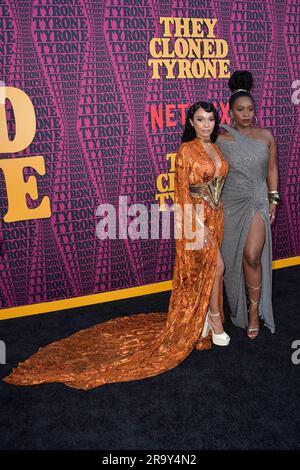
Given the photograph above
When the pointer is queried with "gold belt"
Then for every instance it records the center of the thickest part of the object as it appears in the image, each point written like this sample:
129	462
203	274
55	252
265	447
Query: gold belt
210	191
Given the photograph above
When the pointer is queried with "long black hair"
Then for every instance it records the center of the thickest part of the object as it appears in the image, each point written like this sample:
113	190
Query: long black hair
240	80
189	131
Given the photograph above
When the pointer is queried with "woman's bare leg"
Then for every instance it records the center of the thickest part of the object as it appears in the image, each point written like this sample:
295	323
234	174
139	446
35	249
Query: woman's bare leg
252	269
216	322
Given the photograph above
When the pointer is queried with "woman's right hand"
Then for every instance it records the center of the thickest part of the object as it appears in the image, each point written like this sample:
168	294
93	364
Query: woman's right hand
207	236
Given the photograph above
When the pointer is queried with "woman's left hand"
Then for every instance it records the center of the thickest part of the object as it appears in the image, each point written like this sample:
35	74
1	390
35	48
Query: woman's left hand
272	212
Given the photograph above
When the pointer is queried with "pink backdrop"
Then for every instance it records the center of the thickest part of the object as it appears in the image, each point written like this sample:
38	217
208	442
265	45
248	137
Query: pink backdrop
84	66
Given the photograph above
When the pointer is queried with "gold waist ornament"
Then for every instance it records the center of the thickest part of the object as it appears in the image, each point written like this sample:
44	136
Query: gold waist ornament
210	191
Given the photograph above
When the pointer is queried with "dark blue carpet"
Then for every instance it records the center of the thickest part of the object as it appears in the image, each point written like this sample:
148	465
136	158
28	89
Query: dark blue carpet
245	396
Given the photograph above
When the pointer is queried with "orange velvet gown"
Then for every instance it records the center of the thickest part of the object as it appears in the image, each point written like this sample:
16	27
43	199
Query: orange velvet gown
143	345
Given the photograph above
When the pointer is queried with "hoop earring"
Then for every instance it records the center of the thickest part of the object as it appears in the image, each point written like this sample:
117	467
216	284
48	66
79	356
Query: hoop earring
255	122
232	122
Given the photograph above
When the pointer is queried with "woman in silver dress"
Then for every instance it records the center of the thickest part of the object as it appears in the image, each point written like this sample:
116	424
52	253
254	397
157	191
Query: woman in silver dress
250	199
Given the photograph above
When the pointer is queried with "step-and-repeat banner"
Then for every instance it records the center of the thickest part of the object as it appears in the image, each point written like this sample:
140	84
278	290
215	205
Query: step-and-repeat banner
93	99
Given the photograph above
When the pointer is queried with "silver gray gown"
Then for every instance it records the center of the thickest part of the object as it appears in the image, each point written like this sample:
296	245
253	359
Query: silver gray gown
245	192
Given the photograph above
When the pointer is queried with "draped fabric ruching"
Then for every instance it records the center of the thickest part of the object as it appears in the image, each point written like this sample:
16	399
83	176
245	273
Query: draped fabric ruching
137	346
245	193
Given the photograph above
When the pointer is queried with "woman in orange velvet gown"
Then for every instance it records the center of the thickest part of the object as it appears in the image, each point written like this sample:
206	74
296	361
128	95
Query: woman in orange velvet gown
138	346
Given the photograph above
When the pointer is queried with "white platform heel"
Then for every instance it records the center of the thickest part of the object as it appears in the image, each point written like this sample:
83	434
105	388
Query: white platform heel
221	339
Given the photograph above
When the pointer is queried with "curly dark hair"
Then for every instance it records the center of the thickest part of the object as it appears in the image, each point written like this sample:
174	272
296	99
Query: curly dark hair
240	79
189	131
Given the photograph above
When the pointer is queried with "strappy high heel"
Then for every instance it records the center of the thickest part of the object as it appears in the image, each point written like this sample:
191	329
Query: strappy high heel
252	332
220	339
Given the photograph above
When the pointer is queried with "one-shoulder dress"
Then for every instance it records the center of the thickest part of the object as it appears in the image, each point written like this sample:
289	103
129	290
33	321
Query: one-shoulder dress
245	192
